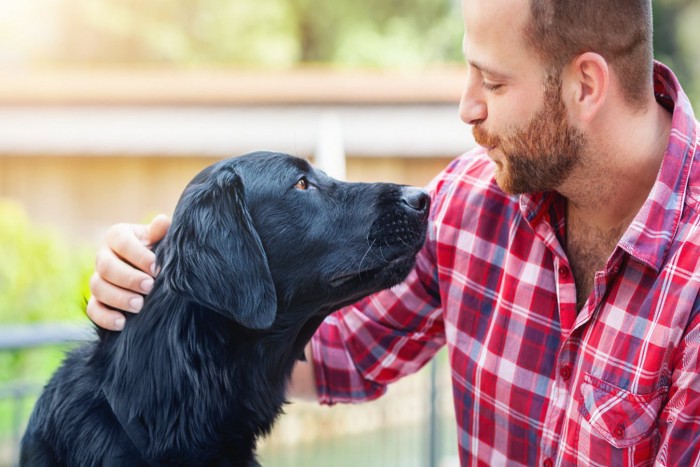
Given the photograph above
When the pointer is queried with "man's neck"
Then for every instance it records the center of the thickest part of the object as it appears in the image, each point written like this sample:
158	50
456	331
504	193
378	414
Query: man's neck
617	172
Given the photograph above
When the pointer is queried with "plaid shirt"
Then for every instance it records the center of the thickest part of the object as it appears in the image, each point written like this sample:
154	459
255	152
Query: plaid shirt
535	382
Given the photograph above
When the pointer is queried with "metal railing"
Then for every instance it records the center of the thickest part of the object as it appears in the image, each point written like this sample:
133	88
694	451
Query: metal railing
17	338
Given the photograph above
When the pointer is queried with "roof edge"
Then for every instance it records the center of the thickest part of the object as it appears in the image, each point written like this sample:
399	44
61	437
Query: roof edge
230	87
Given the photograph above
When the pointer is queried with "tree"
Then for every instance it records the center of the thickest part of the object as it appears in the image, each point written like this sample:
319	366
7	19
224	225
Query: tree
255	32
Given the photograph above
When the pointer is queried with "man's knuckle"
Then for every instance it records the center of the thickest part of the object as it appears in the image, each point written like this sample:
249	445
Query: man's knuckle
145	259
102	265
117	234
134	283
90	309
103	320
94	282
119	243
113	232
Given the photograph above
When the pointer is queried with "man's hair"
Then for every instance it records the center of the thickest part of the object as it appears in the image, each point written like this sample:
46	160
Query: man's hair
619	30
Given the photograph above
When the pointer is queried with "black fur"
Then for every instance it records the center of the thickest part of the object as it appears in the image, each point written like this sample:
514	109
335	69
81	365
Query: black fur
250	267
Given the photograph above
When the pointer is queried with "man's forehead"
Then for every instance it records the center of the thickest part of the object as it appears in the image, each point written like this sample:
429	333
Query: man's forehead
493	37
480	15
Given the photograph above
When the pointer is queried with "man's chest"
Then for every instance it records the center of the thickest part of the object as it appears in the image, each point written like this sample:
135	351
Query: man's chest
588	250
517	299
511	356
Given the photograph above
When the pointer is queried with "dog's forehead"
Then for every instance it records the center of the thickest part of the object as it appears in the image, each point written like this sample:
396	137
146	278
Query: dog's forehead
269	166
280	162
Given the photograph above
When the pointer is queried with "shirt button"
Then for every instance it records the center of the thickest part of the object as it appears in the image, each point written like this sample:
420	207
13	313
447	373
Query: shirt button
619	431
547	462
563	272
565	372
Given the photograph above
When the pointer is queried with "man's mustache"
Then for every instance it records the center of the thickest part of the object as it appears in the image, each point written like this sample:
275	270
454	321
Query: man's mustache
483	138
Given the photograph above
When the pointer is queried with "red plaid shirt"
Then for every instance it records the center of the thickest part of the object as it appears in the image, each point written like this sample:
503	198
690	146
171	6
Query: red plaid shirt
534	382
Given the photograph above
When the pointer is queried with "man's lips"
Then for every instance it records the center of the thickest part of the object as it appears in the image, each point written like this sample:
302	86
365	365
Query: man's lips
495	155
490	150
487	145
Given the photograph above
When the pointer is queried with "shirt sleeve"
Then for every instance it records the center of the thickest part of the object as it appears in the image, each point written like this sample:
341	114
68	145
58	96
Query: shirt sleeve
360	349
679	423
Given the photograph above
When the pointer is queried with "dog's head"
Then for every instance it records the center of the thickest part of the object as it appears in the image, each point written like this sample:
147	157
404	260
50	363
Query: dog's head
266	232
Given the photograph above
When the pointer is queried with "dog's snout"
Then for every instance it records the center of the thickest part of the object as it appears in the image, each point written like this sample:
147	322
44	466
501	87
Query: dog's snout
415	198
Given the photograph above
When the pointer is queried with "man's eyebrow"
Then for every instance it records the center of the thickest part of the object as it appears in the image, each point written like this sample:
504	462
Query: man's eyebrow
480	66
487	70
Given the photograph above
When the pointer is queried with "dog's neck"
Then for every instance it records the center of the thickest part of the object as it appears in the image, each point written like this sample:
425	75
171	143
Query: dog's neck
187	363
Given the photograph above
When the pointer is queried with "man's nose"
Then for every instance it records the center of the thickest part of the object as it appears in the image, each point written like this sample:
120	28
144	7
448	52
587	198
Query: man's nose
472	107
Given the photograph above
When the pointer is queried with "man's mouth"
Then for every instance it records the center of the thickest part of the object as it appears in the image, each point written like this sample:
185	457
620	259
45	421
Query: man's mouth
492	152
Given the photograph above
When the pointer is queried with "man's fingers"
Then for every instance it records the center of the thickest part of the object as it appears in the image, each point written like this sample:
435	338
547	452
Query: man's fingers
124	267
104	317
111	269
129	242
158	228
113	296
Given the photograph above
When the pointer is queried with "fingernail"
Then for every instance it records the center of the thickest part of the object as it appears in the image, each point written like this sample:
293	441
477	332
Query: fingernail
153	269
136	303
119	323
147	285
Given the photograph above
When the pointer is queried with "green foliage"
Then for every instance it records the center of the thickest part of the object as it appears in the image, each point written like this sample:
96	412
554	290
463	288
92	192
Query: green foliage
42	276
257	32
279	33
677	41
174	31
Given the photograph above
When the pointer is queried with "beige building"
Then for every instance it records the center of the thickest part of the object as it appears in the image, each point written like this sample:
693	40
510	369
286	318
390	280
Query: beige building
82	150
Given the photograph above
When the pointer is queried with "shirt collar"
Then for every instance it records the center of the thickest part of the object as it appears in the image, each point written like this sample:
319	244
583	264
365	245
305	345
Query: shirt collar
654	227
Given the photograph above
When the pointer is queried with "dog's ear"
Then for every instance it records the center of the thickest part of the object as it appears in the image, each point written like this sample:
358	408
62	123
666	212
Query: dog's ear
214	255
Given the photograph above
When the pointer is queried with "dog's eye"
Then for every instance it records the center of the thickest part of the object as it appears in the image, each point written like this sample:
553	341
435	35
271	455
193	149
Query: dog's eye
302	184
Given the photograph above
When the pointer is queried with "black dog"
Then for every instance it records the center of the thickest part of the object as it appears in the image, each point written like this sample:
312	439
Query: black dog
261	249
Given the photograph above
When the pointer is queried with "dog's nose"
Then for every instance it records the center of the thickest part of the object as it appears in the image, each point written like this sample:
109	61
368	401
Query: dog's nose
415	198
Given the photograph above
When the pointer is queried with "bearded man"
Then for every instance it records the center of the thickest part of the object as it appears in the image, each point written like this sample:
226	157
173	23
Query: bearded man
562	262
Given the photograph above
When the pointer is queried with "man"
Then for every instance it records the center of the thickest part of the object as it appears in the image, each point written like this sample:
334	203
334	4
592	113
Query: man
561	266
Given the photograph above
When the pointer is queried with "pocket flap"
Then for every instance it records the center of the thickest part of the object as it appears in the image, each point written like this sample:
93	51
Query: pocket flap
620	417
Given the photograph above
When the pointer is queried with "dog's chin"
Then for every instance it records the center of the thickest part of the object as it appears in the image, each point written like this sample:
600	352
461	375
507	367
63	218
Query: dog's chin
375	278
349	288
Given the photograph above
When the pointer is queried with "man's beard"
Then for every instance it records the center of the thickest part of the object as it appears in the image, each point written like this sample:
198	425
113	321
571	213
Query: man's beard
541	155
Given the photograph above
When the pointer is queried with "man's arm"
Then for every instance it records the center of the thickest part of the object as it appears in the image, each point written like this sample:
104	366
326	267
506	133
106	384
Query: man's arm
302	384
361	349
680	419
124	271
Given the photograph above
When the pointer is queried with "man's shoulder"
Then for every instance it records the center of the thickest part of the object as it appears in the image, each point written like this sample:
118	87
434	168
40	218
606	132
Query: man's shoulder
693	187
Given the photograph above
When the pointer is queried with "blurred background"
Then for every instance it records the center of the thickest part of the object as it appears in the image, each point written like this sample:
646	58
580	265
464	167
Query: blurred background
109	107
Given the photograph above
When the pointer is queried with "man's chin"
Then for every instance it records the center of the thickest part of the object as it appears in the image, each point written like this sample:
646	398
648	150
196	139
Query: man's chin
503	180
506	187
507	183
490	151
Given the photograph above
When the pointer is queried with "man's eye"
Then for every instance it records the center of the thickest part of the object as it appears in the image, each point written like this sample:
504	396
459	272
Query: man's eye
302	184
490	86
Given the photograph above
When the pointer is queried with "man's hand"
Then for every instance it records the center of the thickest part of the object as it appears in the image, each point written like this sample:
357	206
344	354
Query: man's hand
124	271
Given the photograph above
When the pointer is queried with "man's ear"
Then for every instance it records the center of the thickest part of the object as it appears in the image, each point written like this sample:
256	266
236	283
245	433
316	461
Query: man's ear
586	82
214	255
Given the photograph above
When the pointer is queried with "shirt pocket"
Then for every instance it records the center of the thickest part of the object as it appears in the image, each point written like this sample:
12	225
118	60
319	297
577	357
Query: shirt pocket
620	417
